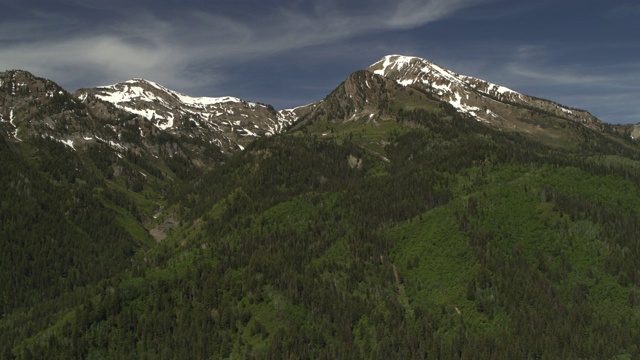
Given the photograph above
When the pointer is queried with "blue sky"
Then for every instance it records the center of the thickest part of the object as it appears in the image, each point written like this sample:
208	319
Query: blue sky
580	53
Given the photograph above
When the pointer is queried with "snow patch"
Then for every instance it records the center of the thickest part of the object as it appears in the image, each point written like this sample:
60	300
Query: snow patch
69	143
463	108
113	144
491	113
444	87
394	62
249	133
499	89
168	125
444	73
11	118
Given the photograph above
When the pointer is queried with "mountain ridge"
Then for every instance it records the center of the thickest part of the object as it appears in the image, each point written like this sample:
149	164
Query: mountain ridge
227	121
231	122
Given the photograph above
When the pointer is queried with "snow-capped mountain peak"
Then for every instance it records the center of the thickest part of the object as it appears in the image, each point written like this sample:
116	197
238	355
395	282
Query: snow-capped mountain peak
394	65
136	87
227	121
158	103
483	100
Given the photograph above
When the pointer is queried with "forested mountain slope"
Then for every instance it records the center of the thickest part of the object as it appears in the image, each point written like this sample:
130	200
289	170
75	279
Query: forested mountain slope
384	224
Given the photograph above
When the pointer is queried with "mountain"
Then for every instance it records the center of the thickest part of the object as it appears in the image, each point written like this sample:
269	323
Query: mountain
411	82
386	221
228	122
480	99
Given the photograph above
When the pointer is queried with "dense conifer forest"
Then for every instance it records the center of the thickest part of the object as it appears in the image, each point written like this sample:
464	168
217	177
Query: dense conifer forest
424	235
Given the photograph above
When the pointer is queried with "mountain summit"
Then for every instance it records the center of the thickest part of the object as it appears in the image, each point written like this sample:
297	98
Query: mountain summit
227	121
484	101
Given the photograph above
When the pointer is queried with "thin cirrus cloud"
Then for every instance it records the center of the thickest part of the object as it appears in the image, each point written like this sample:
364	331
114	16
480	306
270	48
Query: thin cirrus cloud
177	50
562	72
624	10
609	92
535	64
533	75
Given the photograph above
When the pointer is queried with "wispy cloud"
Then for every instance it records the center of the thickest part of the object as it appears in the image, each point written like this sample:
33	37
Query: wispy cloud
610	91
537	65
570	74
558	76
612	107
624	10
169	49
411	13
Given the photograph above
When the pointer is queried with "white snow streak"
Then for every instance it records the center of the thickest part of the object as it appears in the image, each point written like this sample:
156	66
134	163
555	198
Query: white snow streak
11	118
113	144
69	143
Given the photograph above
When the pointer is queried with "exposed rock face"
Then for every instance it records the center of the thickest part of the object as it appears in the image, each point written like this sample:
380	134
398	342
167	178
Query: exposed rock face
32	106
228	122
